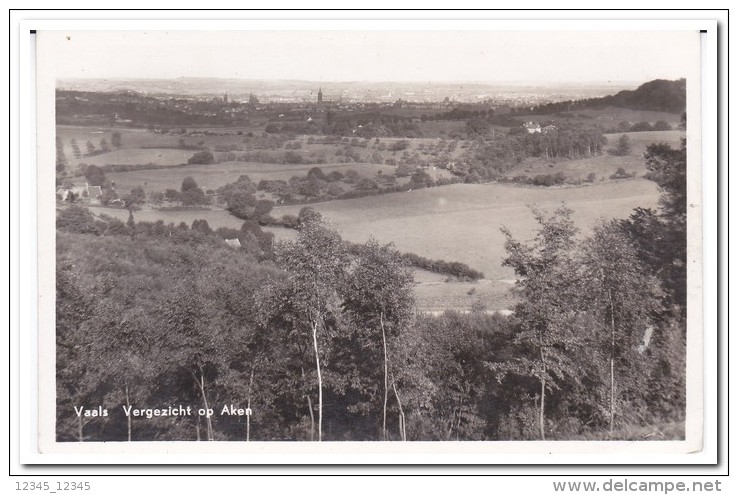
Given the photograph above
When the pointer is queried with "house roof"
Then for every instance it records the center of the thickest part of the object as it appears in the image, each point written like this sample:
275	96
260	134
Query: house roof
233	242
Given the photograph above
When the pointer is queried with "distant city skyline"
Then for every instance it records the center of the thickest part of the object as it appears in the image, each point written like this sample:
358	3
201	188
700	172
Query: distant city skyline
488	57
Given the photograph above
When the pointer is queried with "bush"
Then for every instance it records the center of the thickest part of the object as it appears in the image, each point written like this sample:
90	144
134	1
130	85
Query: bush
549	179
620	173
292	157
399	145
366	184
201	158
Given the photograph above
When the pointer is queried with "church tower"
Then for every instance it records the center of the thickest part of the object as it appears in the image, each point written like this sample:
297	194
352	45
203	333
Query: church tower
320	95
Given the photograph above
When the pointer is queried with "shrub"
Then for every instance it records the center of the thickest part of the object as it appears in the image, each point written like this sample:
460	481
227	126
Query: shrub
399	145
204	157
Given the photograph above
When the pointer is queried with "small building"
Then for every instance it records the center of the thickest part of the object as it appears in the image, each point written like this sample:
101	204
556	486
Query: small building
532	127
234	243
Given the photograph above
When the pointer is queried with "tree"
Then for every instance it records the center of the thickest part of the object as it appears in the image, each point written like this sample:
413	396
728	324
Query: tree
61	159
668	168
316	264
317	173
308	215
191	194
661	237
623	298
95	176
138	195
204	157
420	178
242	204
107	196
292	157
545	314
622	148
75	149
116	139
366	184
379	296
104	145
90	148
171	195
201	226
477	127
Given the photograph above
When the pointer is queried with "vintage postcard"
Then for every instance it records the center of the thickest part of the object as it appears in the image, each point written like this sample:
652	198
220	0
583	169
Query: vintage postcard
370	241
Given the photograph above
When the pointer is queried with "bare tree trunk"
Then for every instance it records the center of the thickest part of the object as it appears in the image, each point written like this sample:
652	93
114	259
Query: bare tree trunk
612	363
386	387
543	400
248	406
80	436
209	422
197	427
320	382
451	424
402	413
128	403
542	419
310	408
458	423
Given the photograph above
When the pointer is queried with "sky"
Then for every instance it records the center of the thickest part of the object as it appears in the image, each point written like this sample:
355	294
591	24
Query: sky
535	57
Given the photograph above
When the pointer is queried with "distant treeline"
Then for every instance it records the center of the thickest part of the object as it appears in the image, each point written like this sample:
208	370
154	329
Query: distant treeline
74	106
658	95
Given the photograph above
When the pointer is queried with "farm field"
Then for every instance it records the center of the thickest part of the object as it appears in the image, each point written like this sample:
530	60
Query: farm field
462	221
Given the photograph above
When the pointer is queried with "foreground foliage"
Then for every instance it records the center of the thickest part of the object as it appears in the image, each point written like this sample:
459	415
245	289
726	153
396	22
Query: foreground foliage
320	340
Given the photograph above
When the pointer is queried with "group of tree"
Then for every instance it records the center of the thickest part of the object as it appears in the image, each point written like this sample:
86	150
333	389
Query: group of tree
491	158
240	199
601	326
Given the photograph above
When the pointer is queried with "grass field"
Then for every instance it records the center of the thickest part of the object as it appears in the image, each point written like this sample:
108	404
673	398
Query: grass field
604	165
139	156
462	222
215	218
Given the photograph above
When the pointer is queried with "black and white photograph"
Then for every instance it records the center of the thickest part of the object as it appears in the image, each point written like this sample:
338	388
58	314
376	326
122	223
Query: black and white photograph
485	238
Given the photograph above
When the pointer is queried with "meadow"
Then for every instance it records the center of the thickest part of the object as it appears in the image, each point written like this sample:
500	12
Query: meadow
462	221
603	166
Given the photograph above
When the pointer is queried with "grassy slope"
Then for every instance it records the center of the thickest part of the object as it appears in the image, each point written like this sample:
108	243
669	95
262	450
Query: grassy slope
462	222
